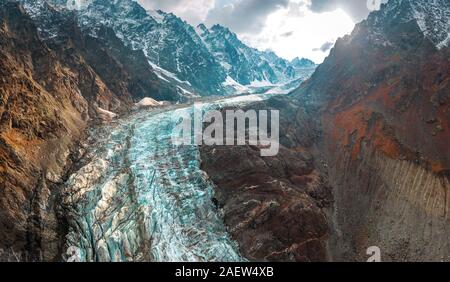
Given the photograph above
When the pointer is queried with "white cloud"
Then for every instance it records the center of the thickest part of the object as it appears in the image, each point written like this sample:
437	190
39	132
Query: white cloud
308	32
244	15
357	9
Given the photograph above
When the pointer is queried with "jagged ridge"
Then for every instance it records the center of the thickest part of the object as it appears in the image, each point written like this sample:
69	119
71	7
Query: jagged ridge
204	61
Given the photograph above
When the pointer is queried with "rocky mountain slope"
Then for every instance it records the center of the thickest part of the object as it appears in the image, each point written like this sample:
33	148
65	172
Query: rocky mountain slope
379	107
53	85
384	94
166	40
246	65
143	79
276	208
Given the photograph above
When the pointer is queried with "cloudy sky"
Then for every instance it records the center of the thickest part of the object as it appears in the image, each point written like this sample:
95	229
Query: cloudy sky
291	28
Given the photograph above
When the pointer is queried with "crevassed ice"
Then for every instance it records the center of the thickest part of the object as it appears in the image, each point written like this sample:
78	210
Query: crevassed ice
140	198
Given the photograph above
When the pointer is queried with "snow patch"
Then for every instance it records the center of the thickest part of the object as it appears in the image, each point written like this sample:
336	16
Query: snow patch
433	19
261	83
444	43
156	15
105	114
239	100
167	73
186	93
230	82
148	103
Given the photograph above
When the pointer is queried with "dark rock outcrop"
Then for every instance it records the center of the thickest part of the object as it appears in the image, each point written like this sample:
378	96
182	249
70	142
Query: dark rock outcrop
275	207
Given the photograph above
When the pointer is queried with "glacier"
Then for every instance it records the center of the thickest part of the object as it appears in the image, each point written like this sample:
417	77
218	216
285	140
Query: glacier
138	197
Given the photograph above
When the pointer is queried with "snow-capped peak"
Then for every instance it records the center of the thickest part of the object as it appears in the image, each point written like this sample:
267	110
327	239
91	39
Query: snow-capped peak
201	29
431	16
303	62
200	56
157	15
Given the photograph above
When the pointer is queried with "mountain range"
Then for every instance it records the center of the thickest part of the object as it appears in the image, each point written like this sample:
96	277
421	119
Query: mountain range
202	61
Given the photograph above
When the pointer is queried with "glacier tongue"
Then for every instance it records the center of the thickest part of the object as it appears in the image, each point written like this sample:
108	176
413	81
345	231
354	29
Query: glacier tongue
138	197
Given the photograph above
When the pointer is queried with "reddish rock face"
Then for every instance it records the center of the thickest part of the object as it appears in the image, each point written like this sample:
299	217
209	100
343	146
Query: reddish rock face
40	115
383	96
394	95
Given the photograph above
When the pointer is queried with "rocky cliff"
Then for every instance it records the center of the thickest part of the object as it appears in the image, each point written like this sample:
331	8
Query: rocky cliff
384	95
52	87
379	106
276	208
